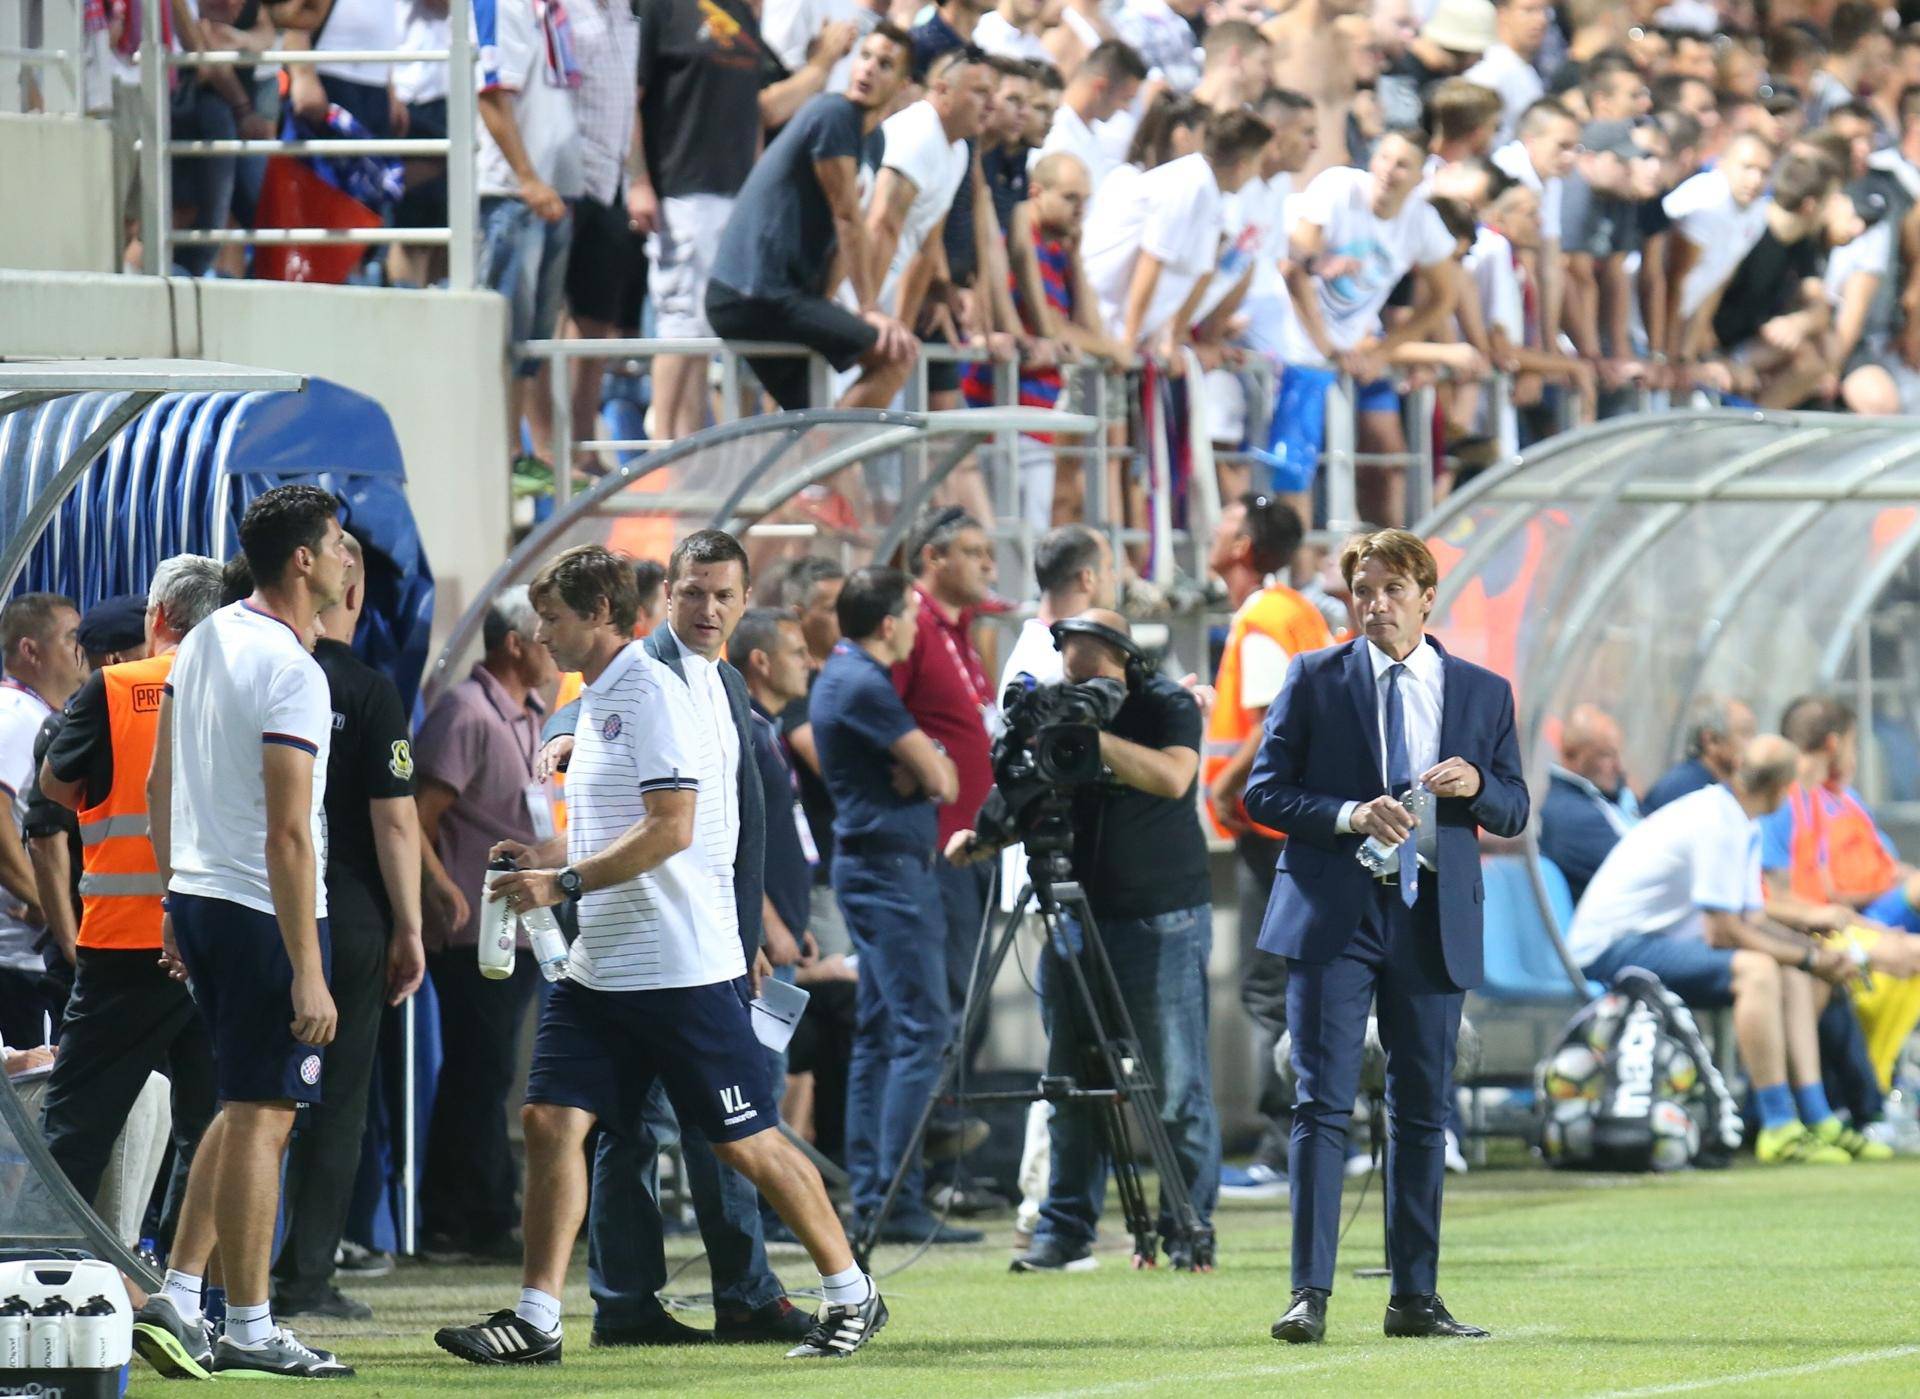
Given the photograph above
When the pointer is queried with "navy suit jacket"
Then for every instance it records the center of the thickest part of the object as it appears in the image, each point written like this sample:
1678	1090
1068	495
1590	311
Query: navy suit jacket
749	861
1322	749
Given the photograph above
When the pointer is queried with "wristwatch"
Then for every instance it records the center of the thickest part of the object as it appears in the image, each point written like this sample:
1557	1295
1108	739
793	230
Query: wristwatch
570	882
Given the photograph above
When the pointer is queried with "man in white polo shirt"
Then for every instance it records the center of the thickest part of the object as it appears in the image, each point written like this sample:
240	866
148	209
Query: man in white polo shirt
1681	897
656	988
234	800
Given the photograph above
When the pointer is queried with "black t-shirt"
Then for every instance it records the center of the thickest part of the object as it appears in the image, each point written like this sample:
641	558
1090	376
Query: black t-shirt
815	799
702	65
48	818
371	758
1135	854
1765	284
779	239
1006	170
82	749
963	254
789	874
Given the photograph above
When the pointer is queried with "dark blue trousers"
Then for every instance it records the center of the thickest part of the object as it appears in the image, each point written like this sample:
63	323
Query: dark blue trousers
1394	960
626	1245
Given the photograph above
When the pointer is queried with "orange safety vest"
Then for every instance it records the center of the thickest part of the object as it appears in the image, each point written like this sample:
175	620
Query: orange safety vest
120	885
1295	625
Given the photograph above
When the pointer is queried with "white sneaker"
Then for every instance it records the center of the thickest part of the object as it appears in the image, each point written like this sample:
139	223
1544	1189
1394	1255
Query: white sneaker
1456	1163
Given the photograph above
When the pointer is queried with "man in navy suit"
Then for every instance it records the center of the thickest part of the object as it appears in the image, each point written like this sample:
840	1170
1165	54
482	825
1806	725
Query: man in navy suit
1353	728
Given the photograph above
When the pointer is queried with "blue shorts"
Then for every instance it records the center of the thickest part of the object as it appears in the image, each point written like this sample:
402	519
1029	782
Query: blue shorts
1893	909
1700	975
1297	435
242	982
602	1051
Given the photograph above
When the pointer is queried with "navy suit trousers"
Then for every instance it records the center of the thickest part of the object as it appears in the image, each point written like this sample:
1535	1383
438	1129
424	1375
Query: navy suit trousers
1396	959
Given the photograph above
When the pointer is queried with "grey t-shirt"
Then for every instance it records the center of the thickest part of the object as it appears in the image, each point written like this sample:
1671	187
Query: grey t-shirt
1599	225
779	240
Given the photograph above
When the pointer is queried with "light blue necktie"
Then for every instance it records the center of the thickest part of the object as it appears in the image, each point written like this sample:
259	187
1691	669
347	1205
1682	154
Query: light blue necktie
1400	780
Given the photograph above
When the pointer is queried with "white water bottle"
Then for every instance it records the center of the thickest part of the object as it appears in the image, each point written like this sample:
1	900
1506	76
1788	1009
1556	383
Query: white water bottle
495	945
90	1336
15	1321
47	1338
549	943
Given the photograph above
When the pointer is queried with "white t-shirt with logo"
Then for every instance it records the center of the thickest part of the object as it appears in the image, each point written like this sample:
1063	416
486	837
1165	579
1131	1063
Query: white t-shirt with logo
1699	853
1173	212
1376	254
1722	233
637	733
22	712
918	148
241	680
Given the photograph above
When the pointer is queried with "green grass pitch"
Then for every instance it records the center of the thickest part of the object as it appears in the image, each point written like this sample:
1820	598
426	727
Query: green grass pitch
1755	1281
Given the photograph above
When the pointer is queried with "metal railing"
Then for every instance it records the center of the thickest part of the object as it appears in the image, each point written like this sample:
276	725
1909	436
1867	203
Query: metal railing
158	149
54	70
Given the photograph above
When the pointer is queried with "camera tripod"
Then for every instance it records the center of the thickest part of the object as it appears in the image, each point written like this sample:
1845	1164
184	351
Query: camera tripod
1112	1073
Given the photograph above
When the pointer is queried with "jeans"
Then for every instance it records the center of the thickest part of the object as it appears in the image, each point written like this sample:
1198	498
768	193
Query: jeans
626	1247
524	258
1160	964
904	1018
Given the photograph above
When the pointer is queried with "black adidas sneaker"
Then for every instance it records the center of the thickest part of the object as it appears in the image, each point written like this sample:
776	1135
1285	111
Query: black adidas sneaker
504	1338
839	1331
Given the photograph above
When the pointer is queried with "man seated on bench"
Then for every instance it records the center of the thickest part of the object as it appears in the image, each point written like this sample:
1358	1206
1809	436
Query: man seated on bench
1680	896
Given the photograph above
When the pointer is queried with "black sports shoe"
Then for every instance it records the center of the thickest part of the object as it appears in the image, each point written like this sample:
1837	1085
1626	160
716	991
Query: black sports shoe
1054	1256
839	1331
504	1338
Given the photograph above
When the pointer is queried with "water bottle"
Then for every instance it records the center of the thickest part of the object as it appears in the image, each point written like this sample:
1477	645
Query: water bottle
549	943
13	1333
47	1337
496	926
90	1336
1376	856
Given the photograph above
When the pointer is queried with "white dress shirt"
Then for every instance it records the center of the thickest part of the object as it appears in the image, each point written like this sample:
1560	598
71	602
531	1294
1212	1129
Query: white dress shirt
1422	690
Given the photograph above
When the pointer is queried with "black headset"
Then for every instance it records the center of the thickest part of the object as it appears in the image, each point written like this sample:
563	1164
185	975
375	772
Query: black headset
1138	666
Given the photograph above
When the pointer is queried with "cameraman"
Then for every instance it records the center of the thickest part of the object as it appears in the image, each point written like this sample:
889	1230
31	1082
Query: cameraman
1139	854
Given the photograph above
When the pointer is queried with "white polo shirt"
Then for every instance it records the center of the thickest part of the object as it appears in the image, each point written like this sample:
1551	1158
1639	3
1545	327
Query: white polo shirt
241	680
1699	853
22	712
638	732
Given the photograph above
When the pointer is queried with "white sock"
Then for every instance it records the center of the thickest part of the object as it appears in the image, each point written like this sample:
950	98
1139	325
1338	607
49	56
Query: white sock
542	1309
848	1289
184	1289
249	1326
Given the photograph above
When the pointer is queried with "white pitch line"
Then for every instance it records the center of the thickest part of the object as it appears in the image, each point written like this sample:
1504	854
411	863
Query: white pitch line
1782	1372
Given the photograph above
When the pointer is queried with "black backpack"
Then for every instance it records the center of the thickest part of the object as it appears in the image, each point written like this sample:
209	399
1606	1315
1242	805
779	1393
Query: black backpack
1633	1087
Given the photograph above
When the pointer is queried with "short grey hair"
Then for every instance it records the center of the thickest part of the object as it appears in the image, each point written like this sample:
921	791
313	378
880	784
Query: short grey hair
185	591
512	611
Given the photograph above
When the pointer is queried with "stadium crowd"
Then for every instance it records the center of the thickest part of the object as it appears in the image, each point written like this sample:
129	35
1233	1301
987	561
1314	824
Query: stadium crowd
1600	200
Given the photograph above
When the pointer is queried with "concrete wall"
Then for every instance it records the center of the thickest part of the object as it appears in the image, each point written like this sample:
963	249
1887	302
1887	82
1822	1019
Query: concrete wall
434	360
56	184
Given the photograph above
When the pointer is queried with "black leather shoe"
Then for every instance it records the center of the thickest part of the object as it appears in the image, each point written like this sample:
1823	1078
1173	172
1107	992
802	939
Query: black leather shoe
1424	1314
1305	1321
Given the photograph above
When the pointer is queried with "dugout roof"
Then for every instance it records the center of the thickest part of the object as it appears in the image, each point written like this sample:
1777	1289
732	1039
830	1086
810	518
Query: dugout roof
1648	562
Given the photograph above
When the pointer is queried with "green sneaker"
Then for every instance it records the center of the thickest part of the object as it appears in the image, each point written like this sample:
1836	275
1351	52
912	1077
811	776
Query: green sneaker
1792	1144
1833	1132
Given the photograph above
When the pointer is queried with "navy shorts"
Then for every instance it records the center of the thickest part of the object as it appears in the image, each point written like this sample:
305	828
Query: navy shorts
241	980
602	1051
1700	975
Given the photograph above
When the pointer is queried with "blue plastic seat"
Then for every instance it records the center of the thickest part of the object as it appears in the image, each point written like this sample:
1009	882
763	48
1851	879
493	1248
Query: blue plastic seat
1521	963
